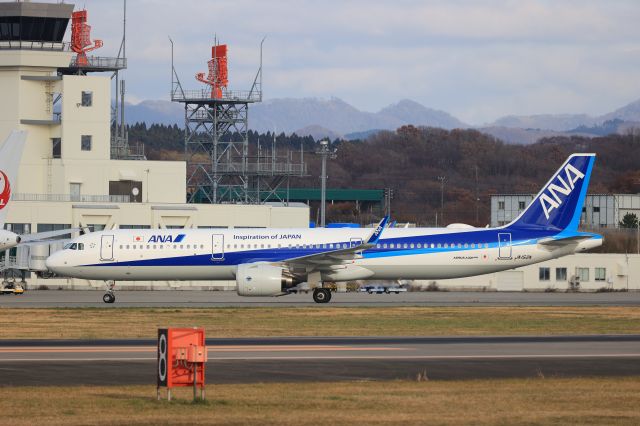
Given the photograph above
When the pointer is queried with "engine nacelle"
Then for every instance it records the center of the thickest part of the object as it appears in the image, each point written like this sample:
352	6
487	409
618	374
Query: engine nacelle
261	279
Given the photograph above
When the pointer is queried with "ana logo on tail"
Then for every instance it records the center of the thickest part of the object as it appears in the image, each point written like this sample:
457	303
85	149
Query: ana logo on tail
6	191
550	199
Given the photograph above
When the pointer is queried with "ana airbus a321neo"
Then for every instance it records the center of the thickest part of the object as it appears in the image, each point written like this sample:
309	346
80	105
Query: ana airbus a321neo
266	262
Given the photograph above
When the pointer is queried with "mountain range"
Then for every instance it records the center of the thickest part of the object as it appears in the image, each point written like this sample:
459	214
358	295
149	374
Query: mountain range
336	118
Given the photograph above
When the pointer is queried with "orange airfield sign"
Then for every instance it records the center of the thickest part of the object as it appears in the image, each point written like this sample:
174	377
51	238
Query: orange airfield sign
182	356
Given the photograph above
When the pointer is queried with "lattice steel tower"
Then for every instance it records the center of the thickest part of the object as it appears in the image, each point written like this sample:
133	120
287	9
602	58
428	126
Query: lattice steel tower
220	168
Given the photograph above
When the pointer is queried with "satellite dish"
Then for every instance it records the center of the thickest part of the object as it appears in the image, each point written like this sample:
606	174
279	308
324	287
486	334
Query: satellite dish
135	192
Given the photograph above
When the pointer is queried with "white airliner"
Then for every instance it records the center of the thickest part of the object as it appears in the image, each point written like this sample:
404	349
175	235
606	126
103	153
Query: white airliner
10	155
266	262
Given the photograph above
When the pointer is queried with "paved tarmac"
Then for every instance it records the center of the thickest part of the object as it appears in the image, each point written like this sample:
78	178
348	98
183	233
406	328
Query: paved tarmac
201	299
111	362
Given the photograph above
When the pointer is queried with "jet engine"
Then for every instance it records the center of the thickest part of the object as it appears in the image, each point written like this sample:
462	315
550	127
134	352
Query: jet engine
262	279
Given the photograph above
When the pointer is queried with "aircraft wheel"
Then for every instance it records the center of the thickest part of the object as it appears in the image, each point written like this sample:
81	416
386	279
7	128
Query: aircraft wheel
321	295
108	298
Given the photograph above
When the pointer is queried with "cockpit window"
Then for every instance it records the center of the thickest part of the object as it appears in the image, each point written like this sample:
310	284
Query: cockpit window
66	246
72	246
80	246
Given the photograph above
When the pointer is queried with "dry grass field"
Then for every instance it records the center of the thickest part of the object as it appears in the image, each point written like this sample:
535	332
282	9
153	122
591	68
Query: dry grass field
90	323
515	402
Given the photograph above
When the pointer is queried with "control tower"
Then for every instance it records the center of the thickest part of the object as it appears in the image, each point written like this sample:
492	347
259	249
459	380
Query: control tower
61	95
220	165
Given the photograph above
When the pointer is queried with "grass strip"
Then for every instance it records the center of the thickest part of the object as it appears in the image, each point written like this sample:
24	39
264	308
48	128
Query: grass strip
550	401
94	323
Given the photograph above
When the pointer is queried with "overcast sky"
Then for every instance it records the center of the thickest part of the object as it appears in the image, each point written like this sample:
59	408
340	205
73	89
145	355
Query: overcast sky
477	60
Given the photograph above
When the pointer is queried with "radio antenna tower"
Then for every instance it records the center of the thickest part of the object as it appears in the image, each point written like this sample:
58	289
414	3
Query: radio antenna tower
220	168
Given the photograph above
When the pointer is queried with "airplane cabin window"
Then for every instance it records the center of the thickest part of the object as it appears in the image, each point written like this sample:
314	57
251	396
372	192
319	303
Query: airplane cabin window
154	246
127	247
412	245
432	245
445	245
486	245
120	246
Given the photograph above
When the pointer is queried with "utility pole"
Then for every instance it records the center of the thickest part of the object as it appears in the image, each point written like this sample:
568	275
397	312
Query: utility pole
388	195
325	152
477	196
442	179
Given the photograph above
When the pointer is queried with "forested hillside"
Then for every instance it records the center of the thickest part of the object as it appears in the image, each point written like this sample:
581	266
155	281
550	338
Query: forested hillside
410	160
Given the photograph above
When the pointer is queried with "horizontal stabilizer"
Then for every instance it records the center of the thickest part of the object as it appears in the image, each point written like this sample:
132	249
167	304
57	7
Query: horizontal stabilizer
565	241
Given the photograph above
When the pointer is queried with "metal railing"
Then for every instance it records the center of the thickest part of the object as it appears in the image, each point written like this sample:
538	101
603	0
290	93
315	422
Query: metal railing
99	62
127	152
239	168
72	198
34	45
227	95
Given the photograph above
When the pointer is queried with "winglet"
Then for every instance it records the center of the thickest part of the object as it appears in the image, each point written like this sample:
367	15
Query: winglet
375	235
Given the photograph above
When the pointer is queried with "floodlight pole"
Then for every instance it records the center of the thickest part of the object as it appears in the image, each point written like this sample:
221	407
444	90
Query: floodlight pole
325	152
442	179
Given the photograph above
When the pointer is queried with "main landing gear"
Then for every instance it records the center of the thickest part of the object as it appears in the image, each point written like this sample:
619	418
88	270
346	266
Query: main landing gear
109	296
321	295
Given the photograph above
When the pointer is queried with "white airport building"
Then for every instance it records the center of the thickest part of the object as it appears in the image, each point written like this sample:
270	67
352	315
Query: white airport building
586	271
70	176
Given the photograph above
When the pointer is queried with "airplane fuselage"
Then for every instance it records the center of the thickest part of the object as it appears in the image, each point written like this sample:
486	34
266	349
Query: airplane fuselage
214	254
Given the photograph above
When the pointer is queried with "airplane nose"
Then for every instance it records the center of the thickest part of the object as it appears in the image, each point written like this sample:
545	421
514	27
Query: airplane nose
54	262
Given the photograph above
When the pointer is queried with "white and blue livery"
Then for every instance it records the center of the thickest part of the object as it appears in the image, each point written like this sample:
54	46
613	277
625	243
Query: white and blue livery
266	262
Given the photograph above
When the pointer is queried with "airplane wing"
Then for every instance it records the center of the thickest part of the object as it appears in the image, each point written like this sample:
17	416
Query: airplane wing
553	243
41	236
334	257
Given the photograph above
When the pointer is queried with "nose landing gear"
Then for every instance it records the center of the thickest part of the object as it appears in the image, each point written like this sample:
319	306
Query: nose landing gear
109	296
